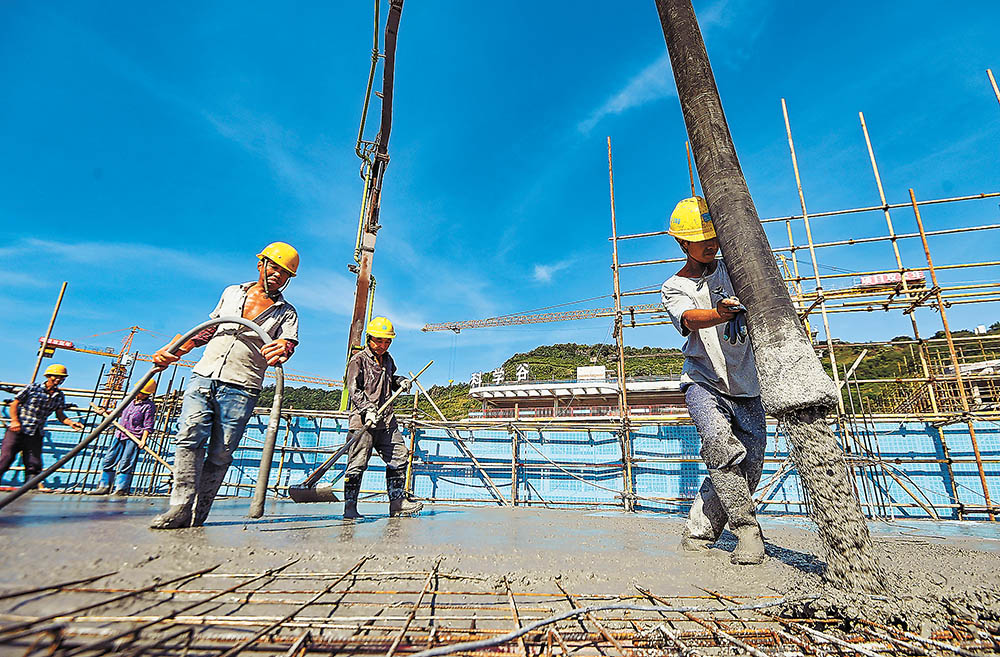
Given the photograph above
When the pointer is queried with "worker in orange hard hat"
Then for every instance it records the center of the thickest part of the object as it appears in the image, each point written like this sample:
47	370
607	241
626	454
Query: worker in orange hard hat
136	423
721	391
28	413
371	380
225	383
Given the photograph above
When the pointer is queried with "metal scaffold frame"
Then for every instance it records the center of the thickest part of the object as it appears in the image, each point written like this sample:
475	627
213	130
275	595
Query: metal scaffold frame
944	386
936	386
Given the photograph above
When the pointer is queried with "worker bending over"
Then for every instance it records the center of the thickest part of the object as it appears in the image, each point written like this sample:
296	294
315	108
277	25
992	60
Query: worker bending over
28	412
121	456
719	382
371	380
226	382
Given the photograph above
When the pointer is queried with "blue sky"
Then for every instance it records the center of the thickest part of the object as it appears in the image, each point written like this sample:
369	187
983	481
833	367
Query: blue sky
150	150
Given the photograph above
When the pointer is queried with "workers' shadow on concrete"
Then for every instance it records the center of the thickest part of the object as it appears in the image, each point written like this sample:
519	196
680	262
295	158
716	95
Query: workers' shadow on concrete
336	521
804	561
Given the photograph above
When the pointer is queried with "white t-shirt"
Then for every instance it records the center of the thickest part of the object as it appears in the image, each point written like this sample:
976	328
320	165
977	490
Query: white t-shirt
708	359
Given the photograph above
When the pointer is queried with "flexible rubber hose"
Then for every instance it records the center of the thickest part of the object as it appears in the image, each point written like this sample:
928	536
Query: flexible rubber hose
269	439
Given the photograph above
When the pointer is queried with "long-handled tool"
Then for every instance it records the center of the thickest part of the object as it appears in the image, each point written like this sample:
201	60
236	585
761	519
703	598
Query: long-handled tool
308	491
269	437
97	409
465	448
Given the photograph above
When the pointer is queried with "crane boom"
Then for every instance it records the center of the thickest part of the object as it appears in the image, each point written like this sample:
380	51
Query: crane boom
540	318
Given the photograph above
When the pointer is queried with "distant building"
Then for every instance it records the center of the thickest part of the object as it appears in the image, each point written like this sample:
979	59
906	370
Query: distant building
592	393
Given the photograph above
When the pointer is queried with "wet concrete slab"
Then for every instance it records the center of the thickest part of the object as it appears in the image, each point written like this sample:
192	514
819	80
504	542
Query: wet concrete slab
53	537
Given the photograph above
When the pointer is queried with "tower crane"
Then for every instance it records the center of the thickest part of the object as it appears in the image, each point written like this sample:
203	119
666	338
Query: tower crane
542	318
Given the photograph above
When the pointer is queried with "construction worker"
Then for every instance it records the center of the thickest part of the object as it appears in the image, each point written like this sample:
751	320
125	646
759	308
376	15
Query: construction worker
371	380
226	382
28	412
123	453
719	382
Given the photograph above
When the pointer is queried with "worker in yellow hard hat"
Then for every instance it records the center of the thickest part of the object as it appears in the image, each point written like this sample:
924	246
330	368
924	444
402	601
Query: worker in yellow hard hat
225	383
371	379
29	411
135	424
719	382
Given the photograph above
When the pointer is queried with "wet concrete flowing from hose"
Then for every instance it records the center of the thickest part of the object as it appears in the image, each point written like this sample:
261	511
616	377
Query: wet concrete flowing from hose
851	561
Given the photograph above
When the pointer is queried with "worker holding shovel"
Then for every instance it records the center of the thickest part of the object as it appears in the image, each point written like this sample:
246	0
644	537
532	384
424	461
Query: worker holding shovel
371	379
123	453
226	382
719	382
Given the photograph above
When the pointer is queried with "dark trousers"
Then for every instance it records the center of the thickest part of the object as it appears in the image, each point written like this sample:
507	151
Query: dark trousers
30	447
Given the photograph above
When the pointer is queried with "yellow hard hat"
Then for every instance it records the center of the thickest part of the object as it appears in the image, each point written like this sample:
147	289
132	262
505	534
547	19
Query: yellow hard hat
690	220
380	327
281	254
149	388
55	369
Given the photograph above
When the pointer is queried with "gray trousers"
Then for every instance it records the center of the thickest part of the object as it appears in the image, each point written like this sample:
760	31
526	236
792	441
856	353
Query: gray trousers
387	441
733	435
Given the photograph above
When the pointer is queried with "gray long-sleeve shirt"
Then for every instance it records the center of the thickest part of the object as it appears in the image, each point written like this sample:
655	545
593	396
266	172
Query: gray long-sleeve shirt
370	383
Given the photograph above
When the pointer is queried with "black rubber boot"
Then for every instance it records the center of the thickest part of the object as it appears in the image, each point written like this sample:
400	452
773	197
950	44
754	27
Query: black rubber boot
395	486
352	488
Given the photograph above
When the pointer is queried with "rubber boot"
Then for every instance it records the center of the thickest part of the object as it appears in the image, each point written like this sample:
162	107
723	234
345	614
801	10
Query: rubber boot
105	486
692	544
352	488
212	476
188	464
734	493
399	505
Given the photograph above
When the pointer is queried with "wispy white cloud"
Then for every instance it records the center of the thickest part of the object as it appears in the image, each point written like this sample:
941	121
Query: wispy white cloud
655	82
305	172
544	273
324	291
19	279
121	255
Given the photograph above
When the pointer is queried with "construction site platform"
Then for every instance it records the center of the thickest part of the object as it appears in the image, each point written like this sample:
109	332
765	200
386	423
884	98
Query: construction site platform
448	575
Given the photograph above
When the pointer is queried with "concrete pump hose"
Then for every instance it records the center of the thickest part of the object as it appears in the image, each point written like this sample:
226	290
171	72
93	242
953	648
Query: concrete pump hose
269	439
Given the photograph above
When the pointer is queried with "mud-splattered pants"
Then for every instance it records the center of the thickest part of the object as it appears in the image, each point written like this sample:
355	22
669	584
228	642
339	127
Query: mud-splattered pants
733	435
214	415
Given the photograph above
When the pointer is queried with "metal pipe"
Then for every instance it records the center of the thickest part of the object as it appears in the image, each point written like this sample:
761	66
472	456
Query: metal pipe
113	415
627	501
834	213
48	334
954	356
812	256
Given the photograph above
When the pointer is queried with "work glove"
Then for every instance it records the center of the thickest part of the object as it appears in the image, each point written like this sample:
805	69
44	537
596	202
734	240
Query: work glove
736	328
404	383
370	417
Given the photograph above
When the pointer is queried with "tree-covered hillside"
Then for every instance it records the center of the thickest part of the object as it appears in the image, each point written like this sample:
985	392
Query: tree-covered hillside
559	362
